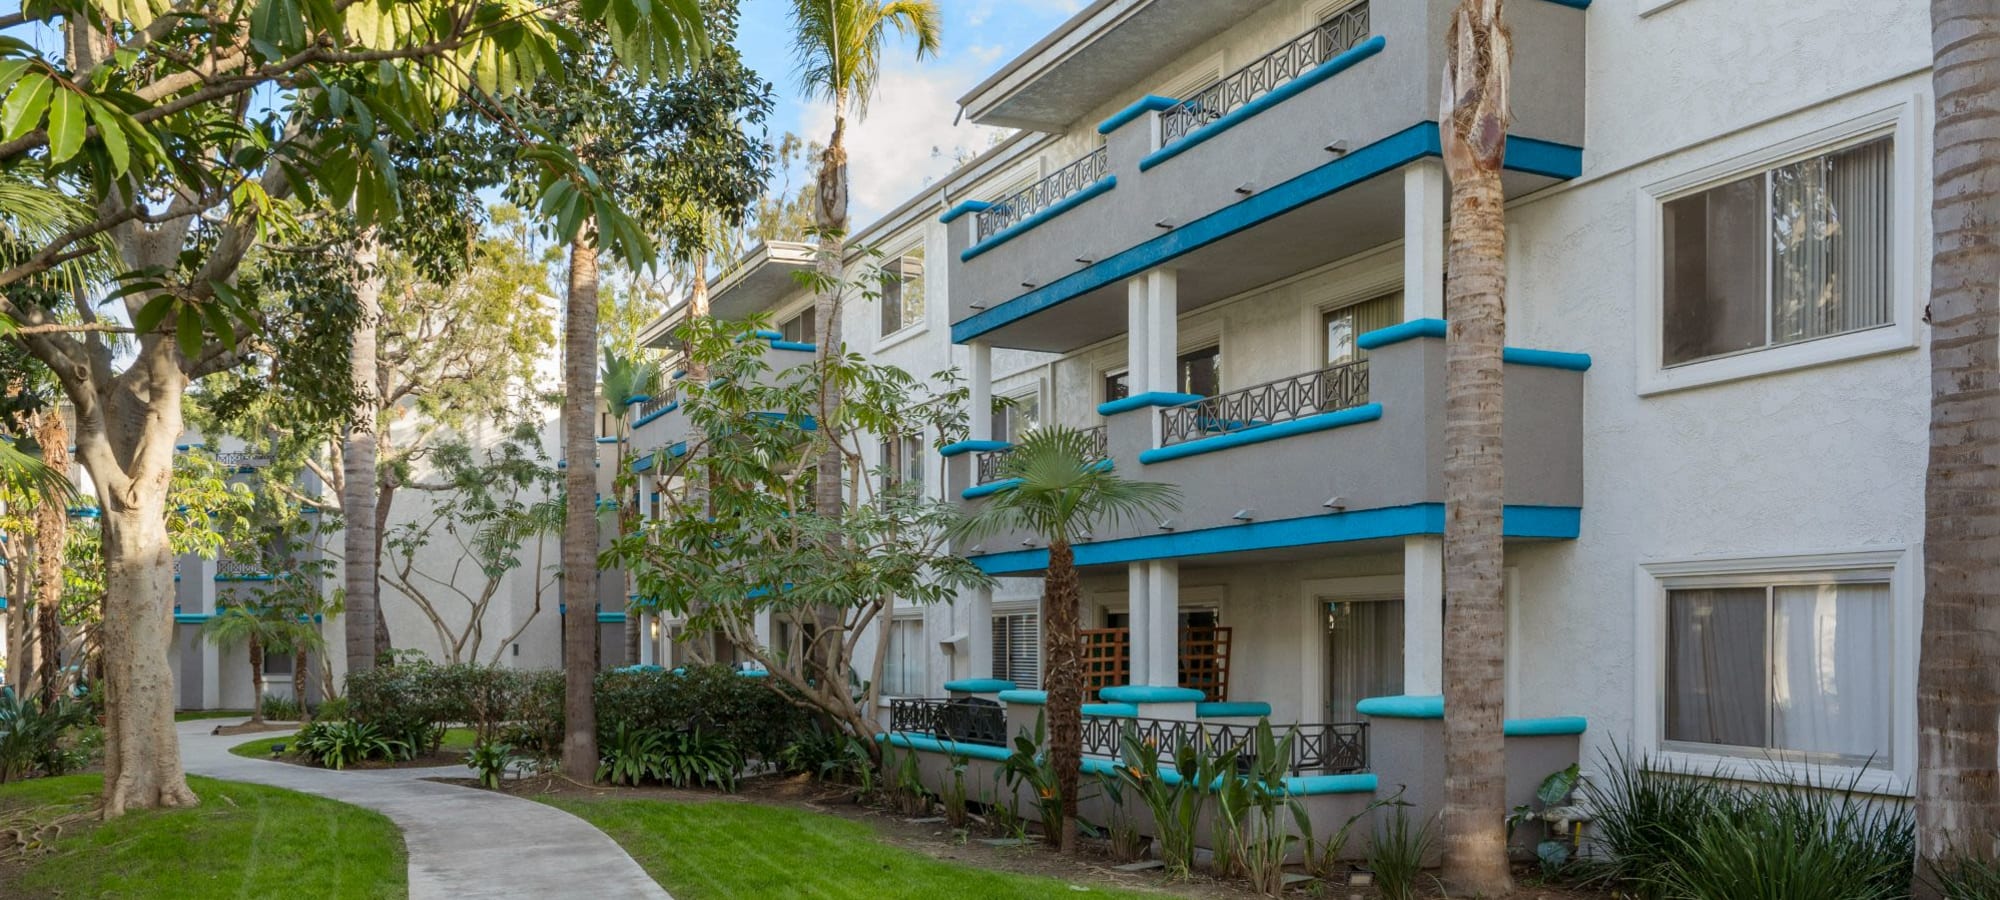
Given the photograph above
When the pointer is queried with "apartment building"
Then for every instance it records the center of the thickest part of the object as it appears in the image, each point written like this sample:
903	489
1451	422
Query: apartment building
1218	242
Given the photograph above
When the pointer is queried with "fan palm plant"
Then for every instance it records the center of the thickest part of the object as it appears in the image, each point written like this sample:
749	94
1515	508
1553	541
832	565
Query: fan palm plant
1058	488
261	631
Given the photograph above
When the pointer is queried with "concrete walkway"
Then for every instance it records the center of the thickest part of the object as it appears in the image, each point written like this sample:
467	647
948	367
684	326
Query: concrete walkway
464	842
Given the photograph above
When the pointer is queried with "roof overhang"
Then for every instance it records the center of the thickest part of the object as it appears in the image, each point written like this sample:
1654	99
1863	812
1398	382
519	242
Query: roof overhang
1095	57
760	280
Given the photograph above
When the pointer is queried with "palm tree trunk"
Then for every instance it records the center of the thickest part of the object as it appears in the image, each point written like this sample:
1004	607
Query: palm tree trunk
51	539
1475	117
1958	678
358	464
579	546
256	681
299	684
1060	641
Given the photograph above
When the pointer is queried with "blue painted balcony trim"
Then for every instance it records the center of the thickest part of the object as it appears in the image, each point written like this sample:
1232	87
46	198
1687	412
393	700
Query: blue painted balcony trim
1048	212
1277	95
795	345
611	439
1149	693
1386	155
1148	399
1298	786
760	334
637	398
1573	4
244	578
990	488
610	618
1111	710
979	685
1436	328
1025	697
655	414
964	206
950	450
191	618
1431	706
1139	107
1367	412
1237	710
3	601
950	748
643	463
1526	522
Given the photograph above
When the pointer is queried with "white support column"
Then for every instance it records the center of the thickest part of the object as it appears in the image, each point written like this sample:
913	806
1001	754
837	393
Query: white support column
1138	617
1138	325
1162	329
1163	589
980	372
649	643
1423	615
1424	201
976	606
204	571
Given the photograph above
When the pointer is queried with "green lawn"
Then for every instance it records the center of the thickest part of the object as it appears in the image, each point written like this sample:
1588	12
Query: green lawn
454	739
192	715
243	841
723	850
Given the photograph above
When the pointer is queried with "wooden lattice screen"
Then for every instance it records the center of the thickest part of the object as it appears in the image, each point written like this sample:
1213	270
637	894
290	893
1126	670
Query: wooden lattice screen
1107	658
1205	661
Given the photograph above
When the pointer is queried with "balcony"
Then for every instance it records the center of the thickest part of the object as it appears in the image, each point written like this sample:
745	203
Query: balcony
1350	455
659	423
1286	164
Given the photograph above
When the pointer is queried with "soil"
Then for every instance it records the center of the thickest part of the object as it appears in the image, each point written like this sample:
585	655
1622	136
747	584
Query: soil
247	728
425	761
1093	866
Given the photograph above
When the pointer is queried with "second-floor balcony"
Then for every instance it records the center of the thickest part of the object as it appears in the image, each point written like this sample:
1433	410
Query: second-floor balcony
659	423
1292	160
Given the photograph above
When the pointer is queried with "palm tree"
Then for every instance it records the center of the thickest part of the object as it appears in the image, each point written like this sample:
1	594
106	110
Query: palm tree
1958	677
1473	121
262	631
838	44
1060	489
620	379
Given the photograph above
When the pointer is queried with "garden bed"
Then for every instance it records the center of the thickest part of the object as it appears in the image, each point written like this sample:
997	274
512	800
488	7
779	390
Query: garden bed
457	741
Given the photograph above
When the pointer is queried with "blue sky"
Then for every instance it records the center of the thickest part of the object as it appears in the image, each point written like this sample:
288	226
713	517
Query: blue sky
891	151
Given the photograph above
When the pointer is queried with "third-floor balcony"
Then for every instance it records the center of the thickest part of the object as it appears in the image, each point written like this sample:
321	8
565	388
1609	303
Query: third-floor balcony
1294	158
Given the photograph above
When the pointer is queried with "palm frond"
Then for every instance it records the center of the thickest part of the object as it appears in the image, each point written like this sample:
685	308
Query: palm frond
28	475
1060	489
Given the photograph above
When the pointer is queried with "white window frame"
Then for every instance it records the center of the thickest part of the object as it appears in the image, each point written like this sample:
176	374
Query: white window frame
1902	123
1004	609
906	330
922	650
1032	391
1900	566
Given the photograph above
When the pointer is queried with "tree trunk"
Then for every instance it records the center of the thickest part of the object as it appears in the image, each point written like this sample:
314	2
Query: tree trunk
360	540
299	685
579	548
51	540
256	682
142	756
1474	125
703	645
1958	677
1065	683
831	218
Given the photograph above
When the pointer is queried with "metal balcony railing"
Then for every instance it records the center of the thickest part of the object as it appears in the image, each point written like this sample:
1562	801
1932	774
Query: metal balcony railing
1338	34
988	461
967	721
1328	749
652	406
1070	179
1334	387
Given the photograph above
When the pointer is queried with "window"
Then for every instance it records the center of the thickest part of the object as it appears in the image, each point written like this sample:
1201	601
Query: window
799	329
1789	254
1117	385
1015	417
1798	666
902	462
1017	649
905	672
1341	326
1199	372
903	292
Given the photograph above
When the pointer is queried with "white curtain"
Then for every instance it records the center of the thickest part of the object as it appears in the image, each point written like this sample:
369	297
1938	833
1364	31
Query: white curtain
904	672
1716	674
1364	654
1830	669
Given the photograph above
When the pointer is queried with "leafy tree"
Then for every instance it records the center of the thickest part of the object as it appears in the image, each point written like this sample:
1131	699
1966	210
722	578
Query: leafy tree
1958	676
739	537
626	379
679	150
486	507
1473	120
1061	490
150	100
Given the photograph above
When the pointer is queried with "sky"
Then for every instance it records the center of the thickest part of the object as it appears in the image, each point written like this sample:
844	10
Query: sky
907	139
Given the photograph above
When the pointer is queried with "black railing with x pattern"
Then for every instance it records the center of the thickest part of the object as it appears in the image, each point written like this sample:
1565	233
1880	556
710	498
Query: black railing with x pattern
1337	35
1328	749
1070	179
988	461
1332	388
967	721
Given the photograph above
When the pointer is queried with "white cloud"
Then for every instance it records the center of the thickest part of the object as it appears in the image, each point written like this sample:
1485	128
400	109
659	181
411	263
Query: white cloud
890	152
985	53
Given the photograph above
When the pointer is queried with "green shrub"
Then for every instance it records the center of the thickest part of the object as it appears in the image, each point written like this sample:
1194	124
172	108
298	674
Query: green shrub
489	761
414	701
331	708
1030	766
283	709
745	713
679	758
336	745
45	741
813	750
536	730
1397	856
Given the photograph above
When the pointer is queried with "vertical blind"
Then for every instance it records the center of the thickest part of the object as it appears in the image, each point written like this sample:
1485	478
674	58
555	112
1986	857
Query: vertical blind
1345	324
1830	259
904	670
1017	649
